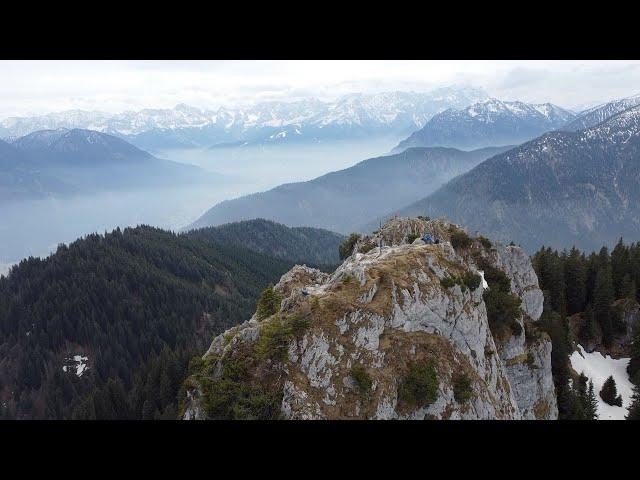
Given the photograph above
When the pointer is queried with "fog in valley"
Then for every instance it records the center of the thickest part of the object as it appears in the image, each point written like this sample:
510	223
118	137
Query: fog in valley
36	227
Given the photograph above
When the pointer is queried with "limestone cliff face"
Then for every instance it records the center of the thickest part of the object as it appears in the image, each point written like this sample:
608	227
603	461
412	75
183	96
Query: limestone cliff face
393	333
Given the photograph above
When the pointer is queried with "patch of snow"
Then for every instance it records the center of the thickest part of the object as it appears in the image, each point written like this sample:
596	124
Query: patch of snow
78	362
598	368
485	285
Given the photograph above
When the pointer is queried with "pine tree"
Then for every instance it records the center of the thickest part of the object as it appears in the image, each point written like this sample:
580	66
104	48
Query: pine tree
269	302
634	408
603	298
590	332
619	267
591	407
609	393
575	275
633	369
628	288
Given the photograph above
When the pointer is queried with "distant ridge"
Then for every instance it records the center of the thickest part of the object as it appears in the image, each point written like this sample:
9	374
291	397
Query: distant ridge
341	201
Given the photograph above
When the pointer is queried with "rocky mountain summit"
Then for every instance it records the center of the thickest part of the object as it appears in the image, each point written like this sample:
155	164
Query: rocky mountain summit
489	123
409	330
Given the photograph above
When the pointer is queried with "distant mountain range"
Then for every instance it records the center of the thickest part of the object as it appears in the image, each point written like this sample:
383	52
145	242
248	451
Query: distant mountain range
341	201
560	189
354	115
62	162
600	113
488	123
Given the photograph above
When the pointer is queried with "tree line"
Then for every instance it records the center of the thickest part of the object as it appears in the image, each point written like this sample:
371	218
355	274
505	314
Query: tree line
139	303
599	289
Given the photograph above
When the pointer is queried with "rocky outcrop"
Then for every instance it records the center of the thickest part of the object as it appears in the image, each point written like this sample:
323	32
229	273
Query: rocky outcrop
398	332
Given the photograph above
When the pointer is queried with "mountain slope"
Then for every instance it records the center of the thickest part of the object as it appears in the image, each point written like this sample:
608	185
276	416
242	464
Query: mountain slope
91	161
391	334
105	327
599	114
312	246
492	122
20	180
560	189
341	201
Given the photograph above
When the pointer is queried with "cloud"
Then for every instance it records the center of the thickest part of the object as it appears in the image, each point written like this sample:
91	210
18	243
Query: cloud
33	87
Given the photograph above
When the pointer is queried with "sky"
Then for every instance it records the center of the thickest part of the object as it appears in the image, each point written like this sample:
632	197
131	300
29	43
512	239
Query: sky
38	87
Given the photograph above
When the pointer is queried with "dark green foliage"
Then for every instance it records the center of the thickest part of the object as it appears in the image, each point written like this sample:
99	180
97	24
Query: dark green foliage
591	331
485	242
550	270
590	285
503	307
366	248
420	387
448	282
361	378
313	246
462	391
234	397
609	393
469	280
591	404
276	335
634	408
557	329
268	303
346	248
412	236
602	301
140	303
576	283
460	239
633	369
584	402
575	277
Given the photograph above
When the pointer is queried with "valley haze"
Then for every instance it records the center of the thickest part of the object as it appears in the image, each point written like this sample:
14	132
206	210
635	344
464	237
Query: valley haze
306	240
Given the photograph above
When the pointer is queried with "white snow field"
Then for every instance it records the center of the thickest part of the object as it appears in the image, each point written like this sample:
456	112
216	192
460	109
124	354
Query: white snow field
598	368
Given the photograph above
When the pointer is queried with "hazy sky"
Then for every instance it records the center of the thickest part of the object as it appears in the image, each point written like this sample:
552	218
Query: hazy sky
34	87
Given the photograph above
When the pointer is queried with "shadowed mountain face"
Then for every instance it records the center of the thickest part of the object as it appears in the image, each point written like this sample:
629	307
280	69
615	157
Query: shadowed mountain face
492	122
59	162
300	244
19	179
342	201
560	189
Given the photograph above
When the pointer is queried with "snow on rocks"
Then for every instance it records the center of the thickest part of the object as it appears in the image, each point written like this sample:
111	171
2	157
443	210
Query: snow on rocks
598	368
77	364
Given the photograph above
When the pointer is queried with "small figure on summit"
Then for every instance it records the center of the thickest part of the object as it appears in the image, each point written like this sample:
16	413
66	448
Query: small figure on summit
427	238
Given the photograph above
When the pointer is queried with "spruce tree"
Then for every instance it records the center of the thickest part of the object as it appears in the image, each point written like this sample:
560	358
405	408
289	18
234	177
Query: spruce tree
609	393
269	302
590	331
619	267
603	298
628	288
591	407
633	369
634	408
575	275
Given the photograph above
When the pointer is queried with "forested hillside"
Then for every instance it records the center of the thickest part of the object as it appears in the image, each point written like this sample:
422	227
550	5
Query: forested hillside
105	327
590	300
298	244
